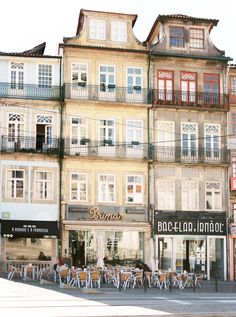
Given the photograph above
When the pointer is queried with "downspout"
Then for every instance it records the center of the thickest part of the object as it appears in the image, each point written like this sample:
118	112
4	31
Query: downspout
61	155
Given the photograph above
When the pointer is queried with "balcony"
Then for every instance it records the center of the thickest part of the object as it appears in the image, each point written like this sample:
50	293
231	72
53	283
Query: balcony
105	149
165	154
110	93
29	145
196	100
29	91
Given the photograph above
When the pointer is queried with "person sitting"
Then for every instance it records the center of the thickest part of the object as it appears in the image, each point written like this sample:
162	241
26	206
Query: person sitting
42	256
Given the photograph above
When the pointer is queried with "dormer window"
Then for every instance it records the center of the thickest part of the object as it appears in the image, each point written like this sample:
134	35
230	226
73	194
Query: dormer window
97	29
196	38
176	36
118	31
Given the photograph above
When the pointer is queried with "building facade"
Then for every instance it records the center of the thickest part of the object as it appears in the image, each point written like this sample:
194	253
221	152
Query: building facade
105	127
191	160
29	145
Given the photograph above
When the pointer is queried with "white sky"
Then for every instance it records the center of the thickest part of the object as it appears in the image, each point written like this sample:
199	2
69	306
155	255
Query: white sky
27	23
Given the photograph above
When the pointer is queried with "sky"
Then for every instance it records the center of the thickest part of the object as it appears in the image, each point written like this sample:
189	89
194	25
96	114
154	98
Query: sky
27	23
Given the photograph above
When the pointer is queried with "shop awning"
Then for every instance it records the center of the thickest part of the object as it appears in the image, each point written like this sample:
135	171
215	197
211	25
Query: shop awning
29	229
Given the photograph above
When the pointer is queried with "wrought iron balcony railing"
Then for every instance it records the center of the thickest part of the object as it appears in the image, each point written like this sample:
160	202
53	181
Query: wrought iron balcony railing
197	100
24	91
86	147
111	93
29	145
188	155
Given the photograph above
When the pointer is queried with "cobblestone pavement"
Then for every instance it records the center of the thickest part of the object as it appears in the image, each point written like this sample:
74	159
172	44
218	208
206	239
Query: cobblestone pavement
30	298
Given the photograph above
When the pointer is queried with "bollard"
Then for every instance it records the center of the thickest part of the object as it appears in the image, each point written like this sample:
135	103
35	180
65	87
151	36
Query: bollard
170	281
145	283
216	282
194	282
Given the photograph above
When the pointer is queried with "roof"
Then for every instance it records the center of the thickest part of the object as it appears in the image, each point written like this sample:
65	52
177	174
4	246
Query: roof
83	12
162	18
37	51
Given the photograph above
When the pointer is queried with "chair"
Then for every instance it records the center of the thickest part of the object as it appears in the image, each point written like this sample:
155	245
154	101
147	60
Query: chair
64	275
74	278
95	279
45	272
125	279
12	270
162	280
83	279
138	279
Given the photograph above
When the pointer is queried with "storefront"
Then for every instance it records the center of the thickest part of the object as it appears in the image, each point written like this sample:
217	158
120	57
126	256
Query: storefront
24	239
191	241
105	238
232	249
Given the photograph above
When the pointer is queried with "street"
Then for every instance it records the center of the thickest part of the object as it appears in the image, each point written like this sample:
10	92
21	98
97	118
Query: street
32	299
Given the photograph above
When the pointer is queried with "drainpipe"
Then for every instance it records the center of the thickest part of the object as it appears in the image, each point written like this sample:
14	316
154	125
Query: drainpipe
61	155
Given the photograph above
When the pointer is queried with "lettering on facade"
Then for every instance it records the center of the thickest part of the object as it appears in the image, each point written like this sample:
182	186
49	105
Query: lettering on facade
135	211
185	225
95	214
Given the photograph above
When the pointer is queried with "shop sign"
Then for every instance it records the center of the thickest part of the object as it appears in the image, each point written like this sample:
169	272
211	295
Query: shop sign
96	214
29	229
174	224
135	211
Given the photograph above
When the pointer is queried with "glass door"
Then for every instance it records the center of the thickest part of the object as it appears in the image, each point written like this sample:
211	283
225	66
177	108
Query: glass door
216	258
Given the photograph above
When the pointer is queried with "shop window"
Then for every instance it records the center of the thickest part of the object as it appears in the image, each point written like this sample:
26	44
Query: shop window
106	188
213	196
79	187
134	189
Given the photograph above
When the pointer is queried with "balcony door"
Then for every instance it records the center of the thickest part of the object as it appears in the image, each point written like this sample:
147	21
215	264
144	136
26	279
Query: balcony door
17	79
43	132
189	143
15	139
211	89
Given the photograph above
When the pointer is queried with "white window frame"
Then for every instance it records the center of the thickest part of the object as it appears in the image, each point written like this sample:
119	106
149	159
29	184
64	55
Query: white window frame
106	182
212	140
17	76
133	182
46	185
109	131
190	195
79	184
166	194
119	31
79	130
137	80
45	78
97	29
15	181
108	84
189	139
213	188
16	122
79	75
134	131
196	38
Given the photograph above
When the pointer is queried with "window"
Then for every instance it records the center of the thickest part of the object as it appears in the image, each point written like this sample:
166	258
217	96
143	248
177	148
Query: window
234	166
213	196
134	189
176	36
97	29
189	195
106	188
166	134
189	135
78	129
233	85
15	126
211	89
212	140
17	76
107	132
166	194
79	187
165	85
196	38
45	76
79	75
233	122
188	86
15	183
119	31
107	78
134	132
43	185
134	80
